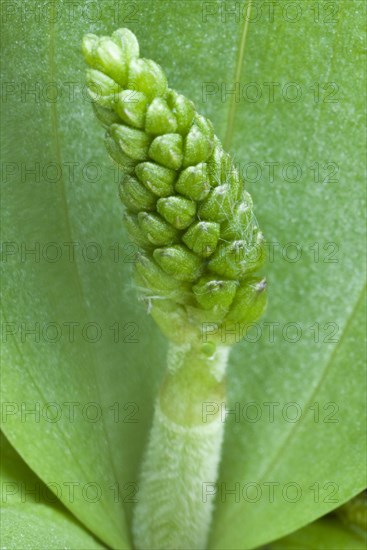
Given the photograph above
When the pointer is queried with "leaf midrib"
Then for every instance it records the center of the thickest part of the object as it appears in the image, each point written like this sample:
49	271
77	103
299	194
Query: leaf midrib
237	74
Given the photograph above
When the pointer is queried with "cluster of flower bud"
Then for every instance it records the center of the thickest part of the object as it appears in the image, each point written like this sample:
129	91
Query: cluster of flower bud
185	204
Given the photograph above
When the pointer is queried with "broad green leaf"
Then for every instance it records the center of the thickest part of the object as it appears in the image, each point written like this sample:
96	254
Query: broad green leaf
320	456
323	534
31	516
74	200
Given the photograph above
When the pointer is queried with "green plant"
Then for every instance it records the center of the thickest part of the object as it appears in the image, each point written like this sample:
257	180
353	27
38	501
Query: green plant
188	211
56	135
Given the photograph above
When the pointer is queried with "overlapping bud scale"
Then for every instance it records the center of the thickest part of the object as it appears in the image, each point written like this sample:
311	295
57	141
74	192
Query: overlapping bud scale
185	203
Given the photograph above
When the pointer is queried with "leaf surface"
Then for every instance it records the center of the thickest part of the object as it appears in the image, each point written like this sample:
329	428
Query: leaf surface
94	345
31	516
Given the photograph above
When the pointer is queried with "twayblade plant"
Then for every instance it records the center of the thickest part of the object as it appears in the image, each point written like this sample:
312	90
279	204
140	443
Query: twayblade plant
283	96
186	207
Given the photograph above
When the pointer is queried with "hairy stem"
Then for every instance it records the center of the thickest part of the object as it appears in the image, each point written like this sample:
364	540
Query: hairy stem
183	452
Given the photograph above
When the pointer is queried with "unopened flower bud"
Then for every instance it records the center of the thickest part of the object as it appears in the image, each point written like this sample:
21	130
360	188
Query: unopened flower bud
148	77
132	142
202	238
238	258
105	115
249	303
117	155
156	178
110	59
183	109
101	88
135	196
157	281
131	107
136	235
197	148
127	42
167	150
206	127
219	164
160	119
89	44
193	182
236	226
212	292
218	204
156	229
178	261
178	211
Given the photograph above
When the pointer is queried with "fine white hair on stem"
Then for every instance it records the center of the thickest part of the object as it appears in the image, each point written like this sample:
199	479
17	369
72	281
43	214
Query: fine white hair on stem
181	457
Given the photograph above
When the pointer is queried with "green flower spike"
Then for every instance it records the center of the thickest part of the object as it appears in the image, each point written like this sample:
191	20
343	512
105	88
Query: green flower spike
187	210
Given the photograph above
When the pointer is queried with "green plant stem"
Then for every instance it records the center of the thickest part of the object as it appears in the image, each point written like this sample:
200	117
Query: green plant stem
183	452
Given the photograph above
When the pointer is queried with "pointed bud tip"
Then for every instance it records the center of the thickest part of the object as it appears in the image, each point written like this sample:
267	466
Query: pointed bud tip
88	44
127	40
261	285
